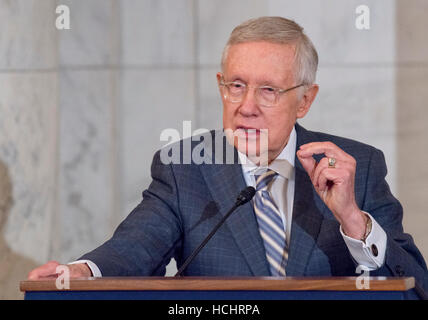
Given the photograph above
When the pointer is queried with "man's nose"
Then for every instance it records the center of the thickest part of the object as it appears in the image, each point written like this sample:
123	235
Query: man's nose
249	105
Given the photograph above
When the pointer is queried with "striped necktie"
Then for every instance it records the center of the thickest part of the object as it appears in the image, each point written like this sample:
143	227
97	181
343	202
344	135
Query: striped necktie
270	225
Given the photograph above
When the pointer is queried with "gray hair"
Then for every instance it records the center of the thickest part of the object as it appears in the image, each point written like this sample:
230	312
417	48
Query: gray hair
283	31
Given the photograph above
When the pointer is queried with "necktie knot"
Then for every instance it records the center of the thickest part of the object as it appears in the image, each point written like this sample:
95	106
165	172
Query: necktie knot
263	180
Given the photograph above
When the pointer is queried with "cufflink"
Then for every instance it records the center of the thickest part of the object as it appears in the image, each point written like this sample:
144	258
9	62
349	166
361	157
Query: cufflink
374	250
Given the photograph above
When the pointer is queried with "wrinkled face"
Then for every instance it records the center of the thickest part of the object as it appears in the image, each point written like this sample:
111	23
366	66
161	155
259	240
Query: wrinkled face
259	64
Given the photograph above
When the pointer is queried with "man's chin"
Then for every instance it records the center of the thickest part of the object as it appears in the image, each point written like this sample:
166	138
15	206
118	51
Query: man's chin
252	143
256	154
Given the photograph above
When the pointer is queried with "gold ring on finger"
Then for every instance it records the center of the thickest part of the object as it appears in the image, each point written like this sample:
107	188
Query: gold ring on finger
331	162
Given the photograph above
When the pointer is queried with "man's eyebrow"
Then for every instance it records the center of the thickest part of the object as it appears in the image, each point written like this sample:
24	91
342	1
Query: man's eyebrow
261	83
268	83
236	78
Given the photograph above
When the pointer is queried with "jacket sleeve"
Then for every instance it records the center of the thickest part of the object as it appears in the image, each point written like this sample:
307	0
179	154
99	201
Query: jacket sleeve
402	257
145	241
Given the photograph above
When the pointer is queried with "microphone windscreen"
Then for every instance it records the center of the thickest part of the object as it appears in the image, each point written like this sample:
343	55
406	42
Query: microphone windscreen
245	195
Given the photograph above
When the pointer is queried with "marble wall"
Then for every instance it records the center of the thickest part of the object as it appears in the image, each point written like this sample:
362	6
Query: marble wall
28	135
88	62
411	96
81	110
356	70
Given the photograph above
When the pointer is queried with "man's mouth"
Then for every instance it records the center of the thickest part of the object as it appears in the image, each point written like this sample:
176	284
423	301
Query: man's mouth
247	132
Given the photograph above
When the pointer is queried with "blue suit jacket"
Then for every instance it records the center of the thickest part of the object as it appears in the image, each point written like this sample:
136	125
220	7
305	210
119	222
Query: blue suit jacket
185	201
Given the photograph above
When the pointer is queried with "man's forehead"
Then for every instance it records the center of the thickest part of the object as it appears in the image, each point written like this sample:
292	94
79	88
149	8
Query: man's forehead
263	61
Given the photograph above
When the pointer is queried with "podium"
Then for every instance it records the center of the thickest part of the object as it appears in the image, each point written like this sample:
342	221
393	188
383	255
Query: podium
213	288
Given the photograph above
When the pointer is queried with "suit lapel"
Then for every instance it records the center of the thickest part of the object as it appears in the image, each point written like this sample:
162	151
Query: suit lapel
307	215
225	181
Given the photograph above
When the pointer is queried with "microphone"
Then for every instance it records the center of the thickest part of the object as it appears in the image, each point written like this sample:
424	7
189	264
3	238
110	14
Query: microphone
244	196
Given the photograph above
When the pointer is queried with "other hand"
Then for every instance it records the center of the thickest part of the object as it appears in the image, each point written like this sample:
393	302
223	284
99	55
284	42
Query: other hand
49	270
335	184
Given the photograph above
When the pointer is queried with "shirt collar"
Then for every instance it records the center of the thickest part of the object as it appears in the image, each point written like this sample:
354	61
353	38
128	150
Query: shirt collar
283	164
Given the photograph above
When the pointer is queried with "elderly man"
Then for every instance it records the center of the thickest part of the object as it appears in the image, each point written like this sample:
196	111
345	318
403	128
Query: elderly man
322	213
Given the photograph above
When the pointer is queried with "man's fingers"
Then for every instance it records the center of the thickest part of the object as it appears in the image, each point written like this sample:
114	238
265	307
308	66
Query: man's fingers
340	168
47	270
323	164
314	169
328	148
50	270
329	176
308	163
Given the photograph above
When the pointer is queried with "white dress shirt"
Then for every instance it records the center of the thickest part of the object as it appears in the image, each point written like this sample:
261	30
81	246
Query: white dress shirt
284	166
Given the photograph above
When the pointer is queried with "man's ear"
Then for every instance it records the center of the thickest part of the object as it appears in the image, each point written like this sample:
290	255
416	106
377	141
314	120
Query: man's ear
219	75
306	101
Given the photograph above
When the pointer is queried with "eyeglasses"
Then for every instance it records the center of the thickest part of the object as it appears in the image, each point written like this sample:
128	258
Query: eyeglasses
266	96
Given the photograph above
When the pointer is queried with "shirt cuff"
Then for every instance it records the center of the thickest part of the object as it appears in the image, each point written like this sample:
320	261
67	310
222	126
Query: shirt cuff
92	266
371	253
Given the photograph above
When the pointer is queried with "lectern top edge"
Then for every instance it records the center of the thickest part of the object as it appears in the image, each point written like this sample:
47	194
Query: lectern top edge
225	283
